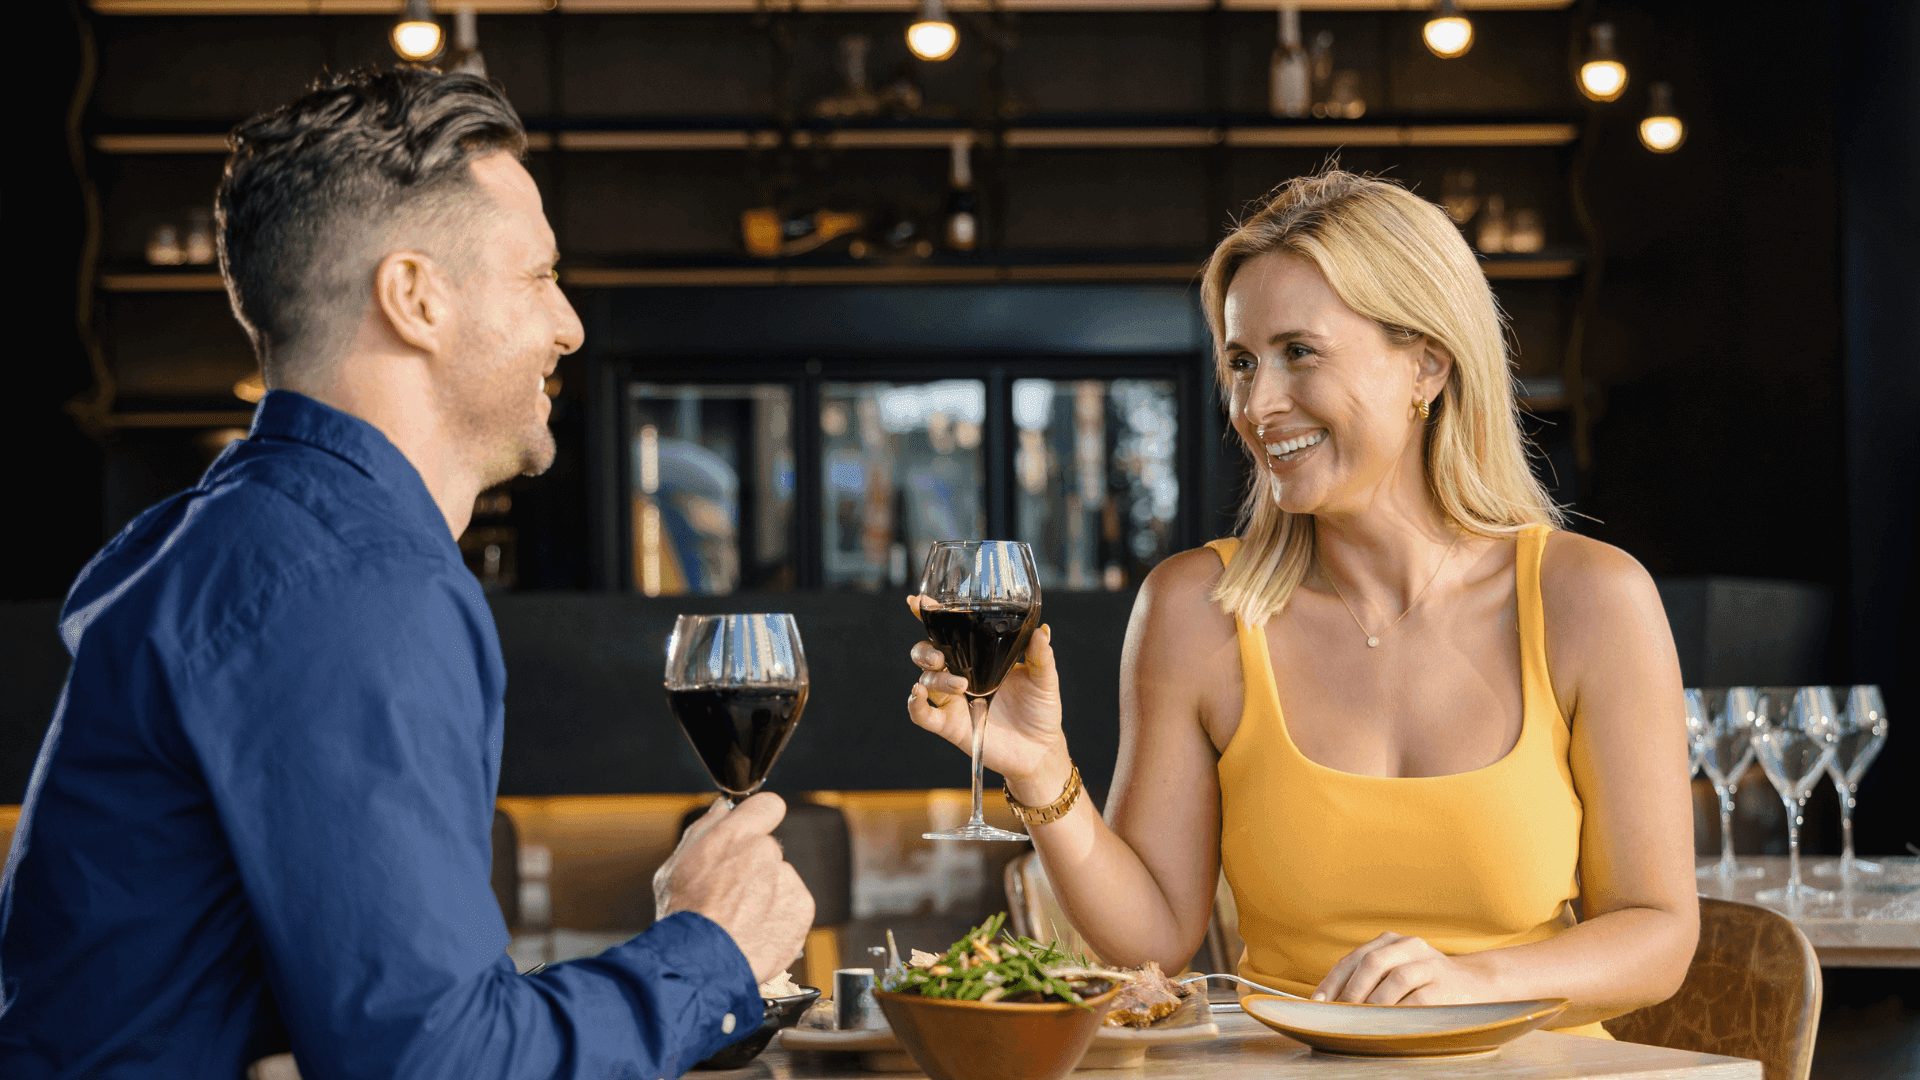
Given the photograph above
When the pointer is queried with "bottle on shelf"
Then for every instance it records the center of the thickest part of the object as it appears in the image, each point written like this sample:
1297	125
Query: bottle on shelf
163	246
960	218
1292	75
465	56
769	234
1491	238
1320	56
198	248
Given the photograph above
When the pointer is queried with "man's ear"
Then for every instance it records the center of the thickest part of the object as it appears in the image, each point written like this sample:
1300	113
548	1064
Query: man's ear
1435	366
412	295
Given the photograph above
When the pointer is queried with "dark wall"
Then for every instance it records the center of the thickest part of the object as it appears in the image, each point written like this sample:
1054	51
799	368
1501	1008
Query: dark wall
1718	448
1876	53
53	503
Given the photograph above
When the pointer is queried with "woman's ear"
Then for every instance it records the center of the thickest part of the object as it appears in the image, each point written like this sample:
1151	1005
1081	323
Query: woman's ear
410	291
1435	366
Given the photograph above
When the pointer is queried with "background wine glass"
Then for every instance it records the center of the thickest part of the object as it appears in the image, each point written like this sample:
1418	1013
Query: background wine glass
1863	731
1794	734
1726	757
737	684
980	600
1699	725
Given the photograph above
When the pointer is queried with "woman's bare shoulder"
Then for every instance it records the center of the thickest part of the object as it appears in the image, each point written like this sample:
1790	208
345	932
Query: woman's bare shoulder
1584	578
1175	605
1604	621
1182	586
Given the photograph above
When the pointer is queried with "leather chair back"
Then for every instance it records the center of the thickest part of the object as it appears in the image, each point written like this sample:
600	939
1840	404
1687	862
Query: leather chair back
1753	991
506	867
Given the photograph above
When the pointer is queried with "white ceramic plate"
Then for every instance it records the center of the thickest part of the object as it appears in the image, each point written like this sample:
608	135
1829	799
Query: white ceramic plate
1401	1030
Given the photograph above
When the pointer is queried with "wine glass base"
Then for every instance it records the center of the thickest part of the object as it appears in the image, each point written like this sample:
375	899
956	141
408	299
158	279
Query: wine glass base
1832	868
975	832
1792	893
1726	873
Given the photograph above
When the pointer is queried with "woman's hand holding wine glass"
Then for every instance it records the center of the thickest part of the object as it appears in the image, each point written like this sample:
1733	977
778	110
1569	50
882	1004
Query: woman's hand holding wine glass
1025	743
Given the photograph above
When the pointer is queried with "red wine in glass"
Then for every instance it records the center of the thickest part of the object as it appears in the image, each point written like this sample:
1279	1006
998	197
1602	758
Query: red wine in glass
982	642
737	684
738	731
980	600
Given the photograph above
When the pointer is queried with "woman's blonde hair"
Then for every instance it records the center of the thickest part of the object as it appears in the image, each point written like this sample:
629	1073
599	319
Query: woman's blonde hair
1397	259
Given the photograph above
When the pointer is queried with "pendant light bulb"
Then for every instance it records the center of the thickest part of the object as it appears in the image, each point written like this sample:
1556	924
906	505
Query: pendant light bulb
1661	132
417	37
1448	34
933	36
1603	77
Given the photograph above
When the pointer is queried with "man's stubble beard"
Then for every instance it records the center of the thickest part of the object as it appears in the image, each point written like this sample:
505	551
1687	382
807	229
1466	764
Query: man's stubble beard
494	420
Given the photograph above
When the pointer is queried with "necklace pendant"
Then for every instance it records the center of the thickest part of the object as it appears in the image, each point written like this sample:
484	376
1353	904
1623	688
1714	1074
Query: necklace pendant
1373	643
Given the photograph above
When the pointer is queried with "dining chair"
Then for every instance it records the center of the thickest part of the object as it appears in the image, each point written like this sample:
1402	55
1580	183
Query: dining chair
1753	991
505	873
1035	912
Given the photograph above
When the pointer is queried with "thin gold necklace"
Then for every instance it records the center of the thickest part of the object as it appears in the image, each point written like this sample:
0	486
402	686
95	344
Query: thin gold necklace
1373	640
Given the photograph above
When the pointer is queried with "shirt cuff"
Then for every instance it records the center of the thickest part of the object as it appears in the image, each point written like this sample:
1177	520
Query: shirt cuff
725	1004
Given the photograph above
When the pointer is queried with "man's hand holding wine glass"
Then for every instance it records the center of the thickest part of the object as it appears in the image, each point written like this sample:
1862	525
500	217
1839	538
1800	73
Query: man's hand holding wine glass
1025	742
729	868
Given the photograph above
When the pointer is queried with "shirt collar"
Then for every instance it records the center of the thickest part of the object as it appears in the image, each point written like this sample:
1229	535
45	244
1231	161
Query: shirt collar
285	414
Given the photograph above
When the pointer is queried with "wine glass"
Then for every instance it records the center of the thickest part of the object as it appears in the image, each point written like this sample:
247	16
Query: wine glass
1863	731
1699	724
1794	735
979	602
1726	757
737	684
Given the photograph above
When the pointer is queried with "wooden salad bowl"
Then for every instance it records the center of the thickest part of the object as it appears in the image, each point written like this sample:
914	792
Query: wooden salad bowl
968	1040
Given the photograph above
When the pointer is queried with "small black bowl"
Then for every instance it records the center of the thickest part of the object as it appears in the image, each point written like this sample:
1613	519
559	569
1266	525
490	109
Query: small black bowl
781	1012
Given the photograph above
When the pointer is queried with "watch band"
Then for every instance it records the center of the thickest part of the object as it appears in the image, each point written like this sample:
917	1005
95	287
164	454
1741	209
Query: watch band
1053	811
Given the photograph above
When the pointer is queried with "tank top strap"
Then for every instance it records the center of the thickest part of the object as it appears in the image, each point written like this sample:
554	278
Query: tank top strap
1226	547
1263	696
1535	681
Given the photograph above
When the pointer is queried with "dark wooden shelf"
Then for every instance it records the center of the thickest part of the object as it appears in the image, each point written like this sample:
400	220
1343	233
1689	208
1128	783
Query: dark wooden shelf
1106	137
1091	269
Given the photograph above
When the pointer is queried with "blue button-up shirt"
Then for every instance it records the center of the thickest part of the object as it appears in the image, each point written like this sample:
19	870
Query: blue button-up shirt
261	818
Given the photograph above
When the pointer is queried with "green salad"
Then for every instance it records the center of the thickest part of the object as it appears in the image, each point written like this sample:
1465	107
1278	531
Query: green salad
1011	969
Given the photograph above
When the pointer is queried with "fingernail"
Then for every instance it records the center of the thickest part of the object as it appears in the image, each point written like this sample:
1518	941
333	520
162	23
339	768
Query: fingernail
1318	996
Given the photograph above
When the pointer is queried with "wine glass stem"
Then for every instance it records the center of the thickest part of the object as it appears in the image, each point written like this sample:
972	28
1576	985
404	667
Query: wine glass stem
1846	824
1793	844
977	706
1726	830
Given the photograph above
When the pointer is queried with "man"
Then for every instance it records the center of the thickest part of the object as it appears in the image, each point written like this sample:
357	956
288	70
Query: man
260	819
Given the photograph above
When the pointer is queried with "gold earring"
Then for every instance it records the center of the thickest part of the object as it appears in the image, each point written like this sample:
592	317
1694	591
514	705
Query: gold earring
1425	409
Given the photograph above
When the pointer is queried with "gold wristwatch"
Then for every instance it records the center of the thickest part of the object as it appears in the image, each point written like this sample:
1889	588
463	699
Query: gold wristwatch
1053	811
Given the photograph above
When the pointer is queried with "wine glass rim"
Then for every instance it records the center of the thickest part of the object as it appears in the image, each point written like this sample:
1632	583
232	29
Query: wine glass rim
735	615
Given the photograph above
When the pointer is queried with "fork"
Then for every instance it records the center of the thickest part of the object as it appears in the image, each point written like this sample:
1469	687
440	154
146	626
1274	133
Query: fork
1191	979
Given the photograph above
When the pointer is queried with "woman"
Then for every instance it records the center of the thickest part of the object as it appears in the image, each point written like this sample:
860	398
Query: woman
1413	724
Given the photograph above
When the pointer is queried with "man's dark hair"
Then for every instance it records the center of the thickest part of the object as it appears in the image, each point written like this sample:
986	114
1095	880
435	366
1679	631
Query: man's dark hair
306	181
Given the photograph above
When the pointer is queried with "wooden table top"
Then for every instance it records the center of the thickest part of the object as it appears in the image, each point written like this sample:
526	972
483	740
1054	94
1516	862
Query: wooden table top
1247	1051
1873	921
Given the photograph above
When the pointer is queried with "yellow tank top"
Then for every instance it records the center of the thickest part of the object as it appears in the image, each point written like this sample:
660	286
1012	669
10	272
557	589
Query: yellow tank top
1323	861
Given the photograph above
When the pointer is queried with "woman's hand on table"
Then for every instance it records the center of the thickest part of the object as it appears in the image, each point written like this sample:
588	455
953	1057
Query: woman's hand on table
1025	743
1394	969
